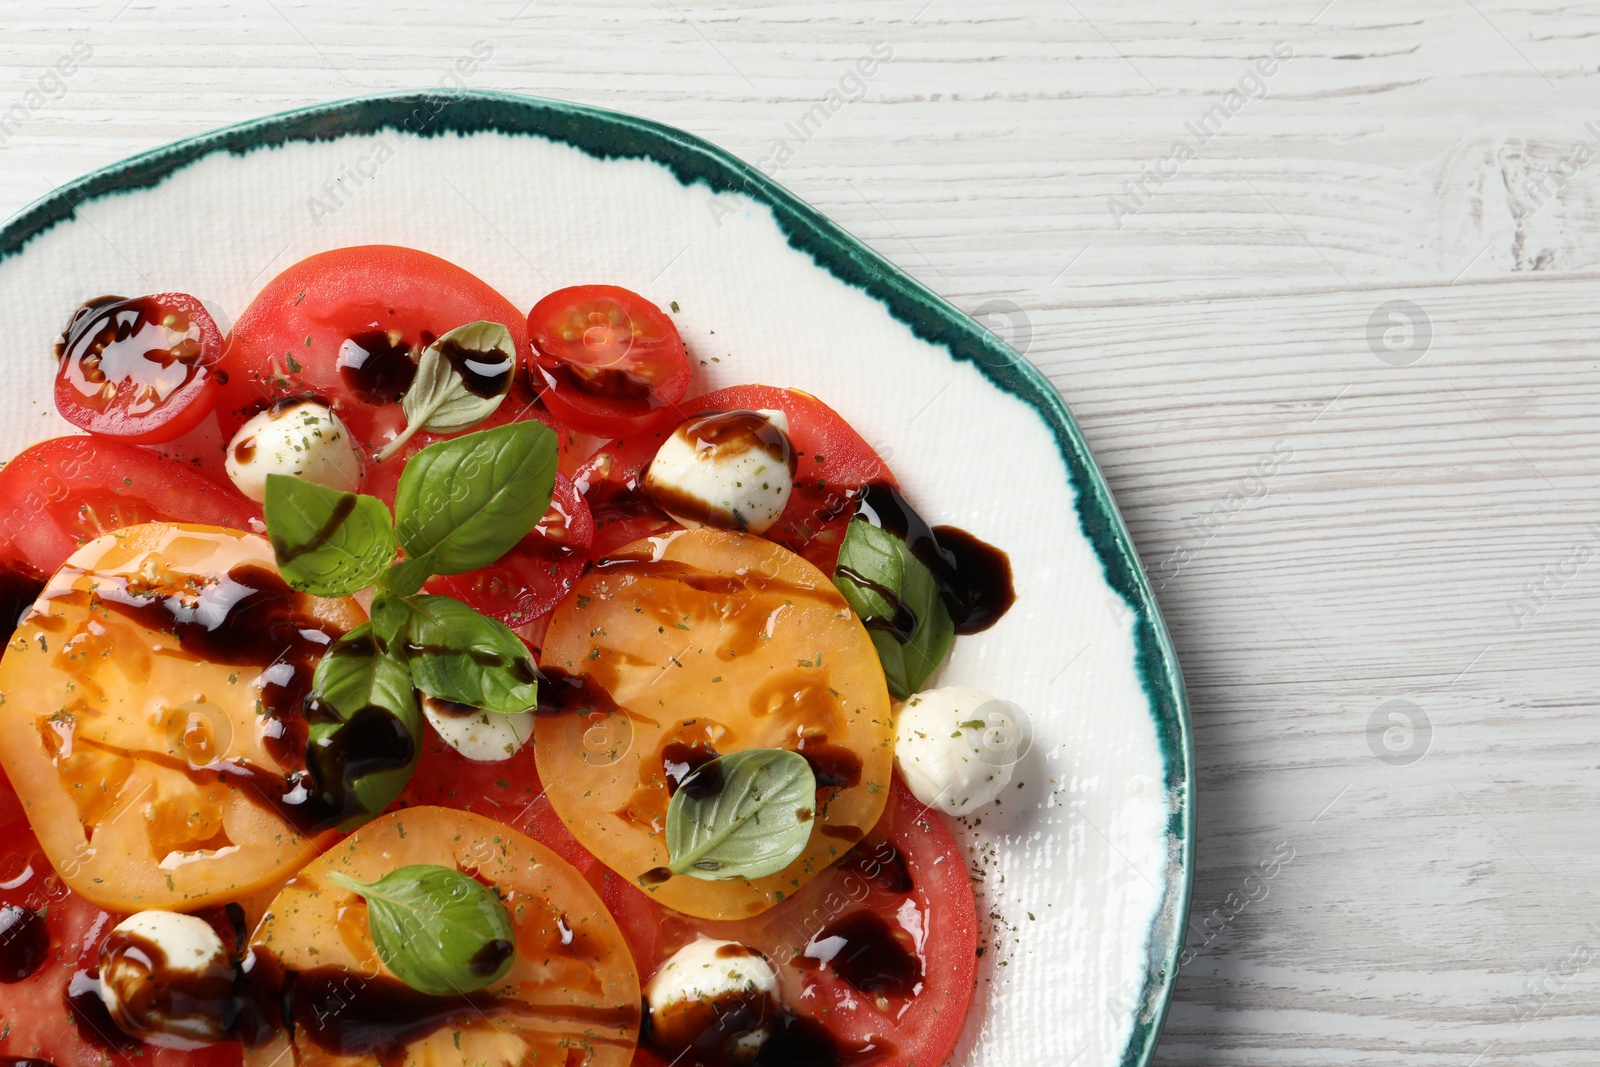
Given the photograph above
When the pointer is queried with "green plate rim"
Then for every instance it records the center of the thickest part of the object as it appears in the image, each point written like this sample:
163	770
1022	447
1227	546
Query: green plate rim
607	134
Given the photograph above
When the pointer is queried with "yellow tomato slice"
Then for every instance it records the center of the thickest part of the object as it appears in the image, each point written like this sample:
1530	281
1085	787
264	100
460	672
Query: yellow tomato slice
709	641
149	701
570	998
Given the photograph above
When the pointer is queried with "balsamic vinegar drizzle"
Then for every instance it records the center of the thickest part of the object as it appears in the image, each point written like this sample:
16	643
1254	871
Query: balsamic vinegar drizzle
484	374
377	370
20	586
24	942
974	578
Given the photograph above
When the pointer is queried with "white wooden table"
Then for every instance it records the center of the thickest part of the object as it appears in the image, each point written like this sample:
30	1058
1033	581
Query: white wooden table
1339	355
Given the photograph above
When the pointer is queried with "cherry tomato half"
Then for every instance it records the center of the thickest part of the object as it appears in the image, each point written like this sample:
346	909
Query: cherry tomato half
606	360
141	370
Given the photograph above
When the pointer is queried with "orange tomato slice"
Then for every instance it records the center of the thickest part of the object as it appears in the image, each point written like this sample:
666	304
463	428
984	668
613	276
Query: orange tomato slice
709	641
149	701
570	998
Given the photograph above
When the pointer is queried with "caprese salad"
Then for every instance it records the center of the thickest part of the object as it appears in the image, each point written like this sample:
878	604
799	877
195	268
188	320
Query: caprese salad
398	678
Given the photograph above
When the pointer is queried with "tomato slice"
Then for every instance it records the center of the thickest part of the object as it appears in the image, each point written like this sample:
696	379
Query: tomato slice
67	491
532	578
141	370
347	326
607	361
880	950
834	462
714	641
153	716
571	996
35	1019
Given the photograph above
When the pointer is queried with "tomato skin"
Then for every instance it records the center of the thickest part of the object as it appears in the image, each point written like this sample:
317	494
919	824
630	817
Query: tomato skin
834	462
288	341
606	361
61	493
918	1029
106	346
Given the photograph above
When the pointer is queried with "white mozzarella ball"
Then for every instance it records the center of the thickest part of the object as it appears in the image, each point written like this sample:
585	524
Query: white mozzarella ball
305	440
481	736
713	993
167	980
729	469
955	747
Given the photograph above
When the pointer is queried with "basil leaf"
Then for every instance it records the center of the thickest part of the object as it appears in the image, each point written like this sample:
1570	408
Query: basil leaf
753	820
361	687
328	543
469	499
457	654
407	576
896	596
443	399
438	930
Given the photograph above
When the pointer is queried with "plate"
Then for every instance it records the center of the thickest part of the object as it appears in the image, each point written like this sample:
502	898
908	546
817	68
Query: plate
1083	869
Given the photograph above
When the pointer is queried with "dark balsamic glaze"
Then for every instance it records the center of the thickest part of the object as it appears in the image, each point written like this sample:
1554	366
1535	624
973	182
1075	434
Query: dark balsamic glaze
706	1032
902	625
149	987
871	953
974	578
610	383
520	668
682	764
483	374
341	511
655	876
94	1023
561	693
24	1061
24	942
800	1041
378	371
882	865
20	586
488	959
834	766
112	344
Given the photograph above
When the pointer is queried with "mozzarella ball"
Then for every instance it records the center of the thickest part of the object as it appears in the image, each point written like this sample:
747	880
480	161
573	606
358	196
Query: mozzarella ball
303	439
955	747
714	996
730	469
481	736
167	980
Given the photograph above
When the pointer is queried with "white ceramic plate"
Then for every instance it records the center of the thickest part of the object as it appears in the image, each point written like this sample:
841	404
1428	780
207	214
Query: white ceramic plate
1083	870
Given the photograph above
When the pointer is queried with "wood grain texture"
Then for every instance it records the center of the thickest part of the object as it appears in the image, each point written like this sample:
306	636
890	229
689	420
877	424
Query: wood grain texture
1329	531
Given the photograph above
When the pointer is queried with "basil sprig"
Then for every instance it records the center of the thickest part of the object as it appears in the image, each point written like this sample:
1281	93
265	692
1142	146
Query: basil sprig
438	930
895	595
483	492
754	820
439	398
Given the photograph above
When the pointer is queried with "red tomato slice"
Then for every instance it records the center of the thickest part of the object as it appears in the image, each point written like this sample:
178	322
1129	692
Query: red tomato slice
35	1019
140	370
902	891
66	491
606	361
834	462
508	791
347	325
531	579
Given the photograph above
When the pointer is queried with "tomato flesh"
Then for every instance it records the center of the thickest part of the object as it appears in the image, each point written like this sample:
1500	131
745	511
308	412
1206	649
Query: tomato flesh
891	989
606	360
142	370
64	492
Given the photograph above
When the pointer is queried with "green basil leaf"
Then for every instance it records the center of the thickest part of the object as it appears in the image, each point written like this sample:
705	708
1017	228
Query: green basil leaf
459	655
441	399
390	614
440	931
753	822
894	593
328	543
407	576
357	684
469	499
